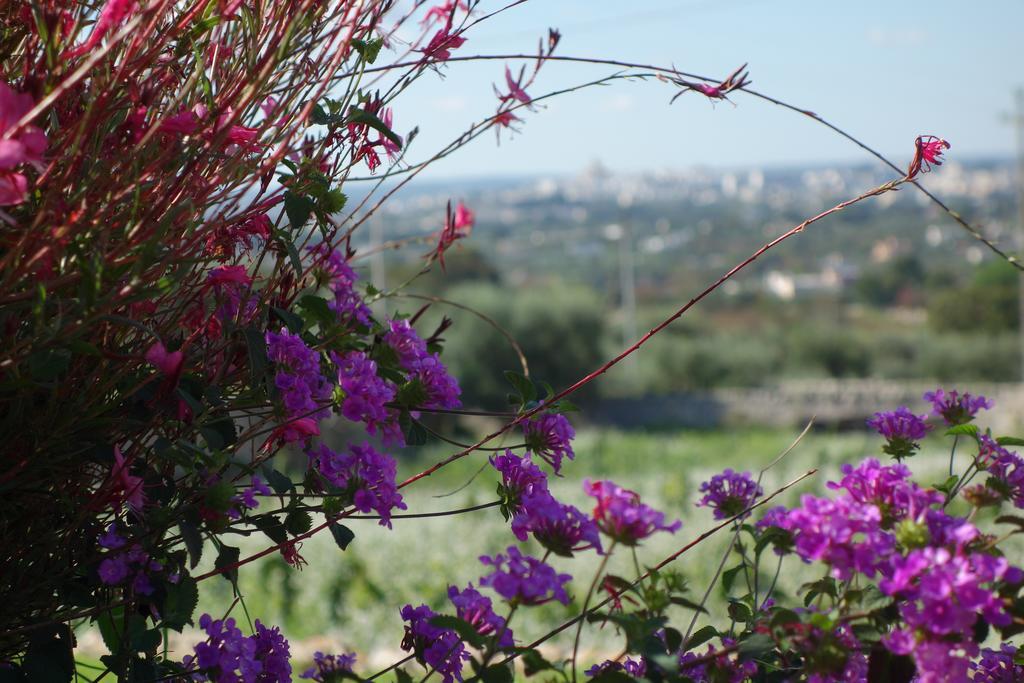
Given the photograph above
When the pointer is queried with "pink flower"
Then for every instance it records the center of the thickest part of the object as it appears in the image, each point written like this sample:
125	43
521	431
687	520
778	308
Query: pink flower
184	123
443	12
167	362
113	14
927	151
24	146
440	46
505	119
229	274
515	90
302	429
130	487
387	143
456	226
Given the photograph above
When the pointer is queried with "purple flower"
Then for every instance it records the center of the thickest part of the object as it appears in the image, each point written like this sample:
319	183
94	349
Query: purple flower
620	514
247	498
721	669
476	609
341	280
998	666
304	391
549	437
888	487
434	647
558	527
902	429
519	478
842	533
634	667
273	651
366	476
729	493
405	342
440	390
1005	467
955	408
524	580
227	656
126	566
365	392
326	667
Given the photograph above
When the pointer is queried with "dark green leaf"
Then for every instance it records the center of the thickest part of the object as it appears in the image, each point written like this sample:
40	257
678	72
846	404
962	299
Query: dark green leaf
1009	441
146	641
729	577
756	646
534	662
964	429
402	677
317	310
369	49
228	557
342	535
318	116
46	366
702	636
298	522
361	117
272	527
291	321
181	602
689	604
280	483
298	207
523	386
257	347
496	673
947	485
673	639
412	430
193	541
50	658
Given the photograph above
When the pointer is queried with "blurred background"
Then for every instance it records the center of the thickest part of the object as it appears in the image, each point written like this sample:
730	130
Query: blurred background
613	207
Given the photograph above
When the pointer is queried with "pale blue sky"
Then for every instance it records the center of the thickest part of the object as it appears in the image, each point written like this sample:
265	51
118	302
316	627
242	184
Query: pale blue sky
886	71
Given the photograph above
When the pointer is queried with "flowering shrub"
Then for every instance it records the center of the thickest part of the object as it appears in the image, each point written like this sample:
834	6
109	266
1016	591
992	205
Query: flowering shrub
182	305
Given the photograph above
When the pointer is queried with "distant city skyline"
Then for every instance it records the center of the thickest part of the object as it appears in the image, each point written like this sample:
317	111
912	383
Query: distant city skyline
884	71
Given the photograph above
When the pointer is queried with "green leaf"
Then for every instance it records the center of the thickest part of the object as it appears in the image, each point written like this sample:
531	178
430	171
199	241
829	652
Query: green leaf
402	677
110	628
46	366
361	117
964	429
319	116
610	676
317	310
756	646
523	386
227	557
412	430
342	535
701	637
146	641
465	629
298	208
729	577
181	602
947	485
738	611
368	49
219	495
673	639
332	201
1009	441
784	616
689	604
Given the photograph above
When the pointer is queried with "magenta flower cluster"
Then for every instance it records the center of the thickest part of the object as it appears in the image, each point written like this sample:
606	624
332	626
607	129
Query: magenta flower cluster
724	668
368	477
435	647
729	493
549	437
998	666
956	408
622	517
902	429
247	499
883	524
126	565
326	668
477	610
227	656
304	391
341	280
440	388
365	393
524	580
